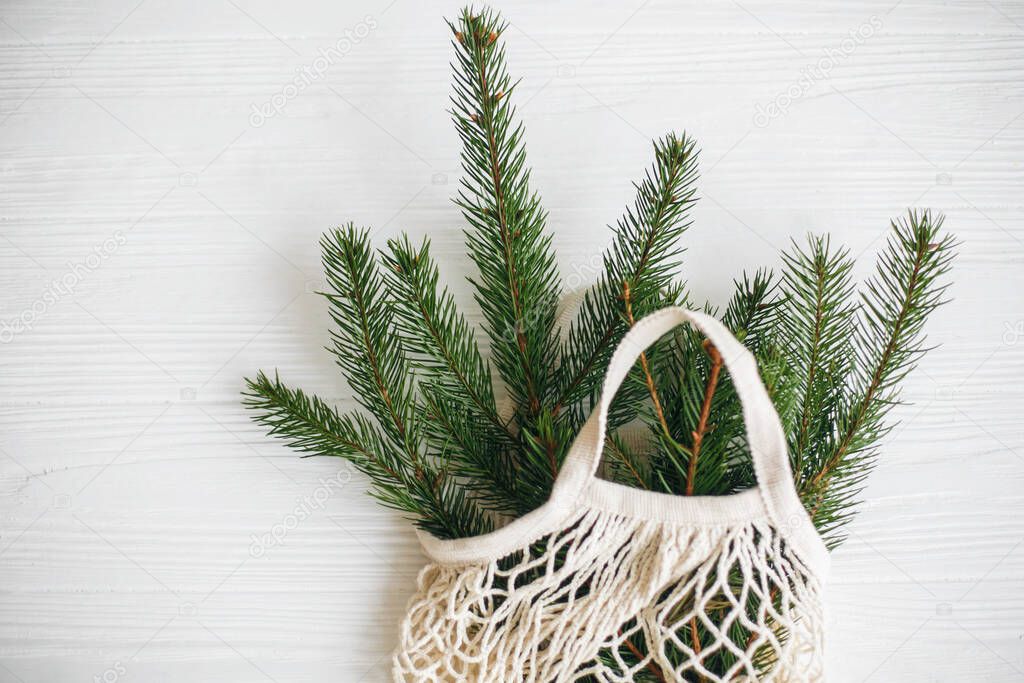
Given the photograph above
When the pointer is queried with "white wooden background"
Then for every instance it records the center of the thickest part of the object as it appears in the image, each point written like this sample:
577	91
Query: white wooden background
158	244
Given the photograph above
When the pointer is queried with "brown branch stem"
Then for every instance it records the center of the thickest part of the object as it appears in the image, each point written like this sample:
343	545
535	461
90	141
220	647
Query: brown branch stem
645	366
695	636
705	412
651	666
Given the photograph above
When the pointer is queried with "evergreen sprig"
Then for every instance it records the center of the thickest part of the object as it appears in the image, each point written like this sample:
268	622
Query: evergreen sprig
372	358
455	381
818	328
643	256
309	425
704	419
517	286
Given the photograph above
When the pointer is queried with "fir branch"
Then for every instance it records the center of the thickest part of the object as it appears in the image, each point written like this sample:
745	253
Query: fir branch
373	359
907	287
363	342
754	309
517	286
444	345
481	463
818	325
694	391
456	382
754	315
543	449
307	424
625	465
643	254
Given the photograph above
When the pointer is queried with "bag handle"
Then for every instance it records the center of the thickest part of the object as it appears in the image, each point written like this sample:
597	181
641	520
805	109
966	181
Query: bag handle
765	436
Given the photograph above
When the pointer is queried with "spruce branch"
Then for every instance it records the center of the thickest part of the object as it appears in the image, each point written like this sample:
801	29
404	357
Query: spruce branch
307	424
702	407
483	465
818	324
364	344
753	312
517	286
626	466
643	254
370	353
544	446
908	285
455	382
443	345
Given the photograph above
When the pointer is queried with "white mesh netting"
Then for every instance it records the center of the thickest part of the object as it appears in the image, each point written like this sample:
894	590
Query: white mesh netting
617	598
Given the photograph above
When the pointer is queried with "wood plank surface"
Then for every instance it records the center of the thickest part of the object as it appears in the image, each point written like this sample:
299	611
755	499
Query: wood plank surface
159	243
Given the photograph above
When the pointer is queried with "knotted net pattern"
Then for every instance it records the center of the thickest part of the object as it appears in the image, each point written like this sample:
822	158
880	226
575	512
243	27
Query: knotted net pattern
615	598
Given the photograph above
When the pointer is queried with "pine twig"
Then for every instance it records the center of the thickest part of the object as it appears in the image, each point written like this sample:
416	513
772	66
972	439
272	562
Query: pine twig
643	255
888	341
818	326
308	424
611	444
648	378
705	412
518	284
695	636
428	318
651	666
921	257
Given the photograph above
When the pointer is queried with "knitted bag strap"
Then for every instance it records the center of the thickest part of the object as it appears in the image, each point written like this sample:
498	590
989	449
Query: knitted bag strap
765	436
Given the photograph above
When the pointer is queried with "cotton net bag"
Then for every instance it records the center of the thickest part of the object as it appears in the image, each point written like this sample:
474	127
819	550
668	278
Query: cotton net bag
605	582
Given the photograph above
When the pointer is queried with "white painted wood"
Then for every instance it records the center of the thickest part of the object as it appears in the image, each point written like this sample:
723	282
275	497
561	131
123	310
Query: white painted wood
131	482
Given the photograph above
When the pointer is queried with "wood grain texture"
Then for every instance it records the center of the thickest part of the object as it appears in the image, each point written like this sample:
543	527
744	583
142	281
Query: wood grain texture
132	486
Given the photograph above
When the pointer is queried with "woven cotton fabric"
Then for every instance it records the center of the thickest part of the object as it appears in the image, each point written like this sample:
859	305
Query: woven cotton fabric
609	583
